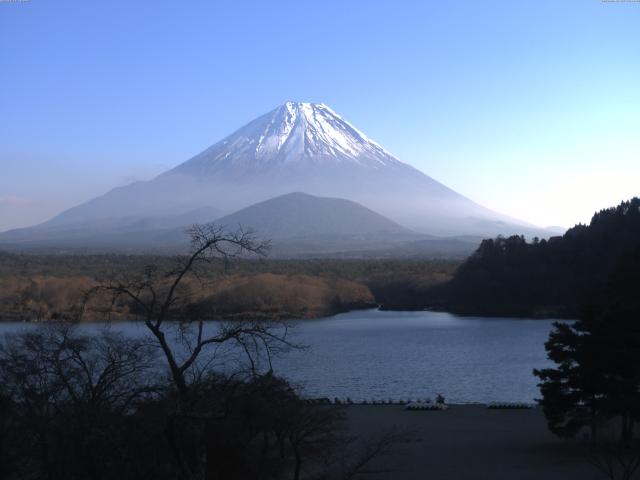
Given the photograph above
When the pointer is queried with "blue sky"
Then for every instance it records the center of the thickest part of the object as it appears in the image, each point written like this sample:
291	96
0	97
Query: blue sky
531	108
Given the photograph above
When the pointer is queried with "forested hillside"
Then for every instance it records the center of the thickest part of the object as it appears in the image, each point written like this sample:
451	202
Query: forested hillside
555	277
46	287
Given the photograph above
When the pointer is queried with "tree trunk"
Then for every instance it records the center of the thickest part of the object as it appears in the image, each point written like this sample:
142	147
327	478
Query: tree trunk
627	428
594	423
281	439
298	457
265	443
176	373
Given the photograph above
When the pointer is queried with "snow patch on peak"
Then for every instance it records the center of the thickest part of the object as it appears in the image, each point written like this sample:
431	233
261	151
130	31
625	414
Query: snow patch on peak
314	130
294	133
356	130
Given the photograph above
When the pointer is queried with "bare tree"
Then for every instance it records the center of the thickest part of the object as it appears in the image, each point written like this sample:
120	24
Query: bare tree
615	459
242	411
161	297
67	396
300	438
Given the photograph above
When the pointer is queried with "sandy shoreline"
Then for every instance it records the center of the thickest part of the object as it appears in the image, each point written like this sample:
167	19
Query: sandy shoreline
472	442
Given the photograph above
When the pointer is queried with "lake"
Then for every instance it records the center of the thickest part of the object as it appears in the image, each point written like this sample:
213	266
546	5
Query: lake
380	355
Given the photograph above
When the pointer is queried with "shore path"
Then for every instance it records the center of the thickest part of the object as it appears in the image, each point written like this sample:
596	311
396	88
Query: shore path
472	442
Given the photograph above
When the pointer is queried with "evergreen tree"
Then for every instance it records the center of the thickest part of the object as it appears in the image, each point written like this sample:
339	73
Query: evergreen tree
573	393
597	378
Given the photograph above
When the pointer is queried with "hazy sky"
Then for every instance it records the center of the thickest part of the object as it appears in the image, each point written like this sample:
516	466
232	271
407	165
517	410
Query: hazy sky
531	108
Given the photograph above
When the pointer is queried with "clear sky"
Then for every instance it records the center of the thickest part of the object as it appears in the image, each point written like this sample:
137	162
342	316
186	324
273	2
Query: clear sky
529	107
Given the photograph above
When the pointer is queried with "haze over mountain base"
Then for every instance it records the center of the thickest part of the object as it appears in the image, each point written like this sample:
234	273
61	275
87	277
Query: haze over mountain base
298	147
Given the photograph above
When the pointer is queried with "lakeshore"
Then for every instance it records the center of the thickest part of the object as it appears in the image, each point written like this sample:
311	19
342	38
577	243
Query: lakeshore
467	442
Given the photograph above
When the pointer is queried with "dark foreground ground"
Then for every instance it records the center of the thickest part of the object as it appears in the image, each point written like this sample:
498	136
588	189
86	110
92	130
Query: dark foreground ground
472	442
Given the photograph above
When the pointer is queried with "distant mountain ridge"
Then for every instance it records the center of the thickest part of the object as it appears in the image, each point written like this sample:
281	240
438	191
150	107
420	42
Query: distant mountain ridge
297	147
297	224
300	215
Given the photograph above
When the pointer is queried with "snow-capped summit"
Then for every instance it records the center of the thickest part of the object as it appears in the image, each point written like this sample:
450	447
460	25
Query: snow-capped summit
295	132
314	130
297	147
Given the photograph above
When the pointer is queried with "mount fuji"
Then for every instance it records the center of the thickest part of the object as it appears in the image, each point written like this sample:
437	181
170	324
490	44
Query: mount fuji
297	147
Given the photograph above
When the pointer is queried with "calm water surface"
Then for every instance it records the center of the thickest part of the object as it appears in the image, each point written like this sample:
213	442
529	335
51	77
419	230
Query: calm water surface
380	355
